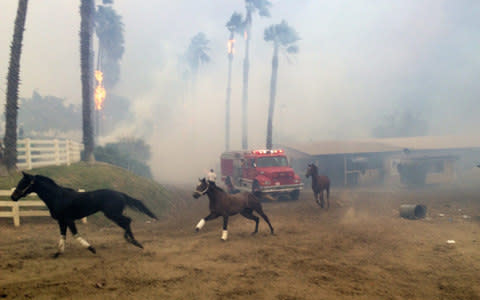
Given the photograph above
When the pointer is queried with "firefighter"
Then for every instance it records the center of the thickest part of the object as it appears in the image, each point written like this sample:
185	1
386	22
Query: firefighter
211	177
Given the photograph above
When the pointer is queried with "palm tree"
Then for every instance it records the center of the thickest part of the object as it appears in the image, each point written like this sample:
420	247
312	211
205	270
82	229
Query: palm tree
13	78
283	37
197	54
262	6
87	14
234	25
109	30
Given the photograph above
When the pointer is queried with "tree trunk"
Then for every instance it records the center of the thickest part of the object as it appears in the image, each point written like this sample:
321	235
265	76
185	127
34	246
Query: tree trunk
229	92
246	68
13	78
273	92
87	12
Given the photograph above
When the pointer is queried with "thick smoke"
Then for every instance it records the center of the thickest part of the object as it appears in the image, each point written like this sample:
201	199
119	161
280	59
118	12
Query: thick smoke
359	63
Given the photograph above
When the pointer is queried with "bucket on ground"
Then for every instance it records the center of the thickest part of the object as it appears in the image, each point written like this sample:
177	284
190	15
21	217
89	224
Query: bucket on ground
413	211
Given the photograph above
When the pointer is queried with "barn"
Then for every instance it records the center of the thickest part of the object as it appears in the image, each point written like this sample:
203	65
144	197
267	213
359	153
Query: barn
377	161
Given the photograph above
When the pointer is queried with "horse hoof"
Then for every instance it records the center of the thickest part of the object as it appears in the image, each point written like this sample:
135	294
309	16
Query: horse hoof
92	249
197	229
136	243
56	255
254	233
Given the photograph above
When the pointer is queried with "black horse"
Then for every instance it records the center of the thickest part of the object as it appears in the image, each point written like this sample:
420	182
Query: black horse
66	205
225	205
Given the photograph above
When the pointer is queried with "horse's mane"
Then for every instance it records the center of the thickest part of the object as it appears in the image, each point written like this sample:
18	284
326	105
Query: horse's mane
46	179
219	188
314	169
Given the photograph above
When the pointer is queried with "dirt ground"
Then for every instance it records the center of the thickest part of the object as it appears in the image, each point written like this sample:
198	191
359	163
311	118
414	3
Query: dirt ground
359	249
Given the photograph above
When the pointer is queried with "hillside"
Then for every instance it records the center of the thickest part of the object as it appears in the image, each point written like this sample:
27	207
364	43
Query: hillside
99	176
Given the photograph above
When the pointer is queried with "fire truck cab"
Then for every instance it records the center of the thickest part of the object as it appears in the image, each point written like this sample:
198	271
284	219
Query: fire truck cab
266	171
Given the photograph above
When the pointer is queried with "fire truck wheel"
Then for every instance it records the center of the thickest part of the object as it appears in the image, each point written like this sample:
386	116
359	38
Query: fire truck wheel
294	195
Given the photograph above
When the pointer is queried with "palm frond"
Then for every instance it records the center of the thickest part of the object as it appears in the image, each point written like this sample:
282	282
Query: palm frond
282	34
262	6
270	34
293	49
109	29
286	34
197	51
236	23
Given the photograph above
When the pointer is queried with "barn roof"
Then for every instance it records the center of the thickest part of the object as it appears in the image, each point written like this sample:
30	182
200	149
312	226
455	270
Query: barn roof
433	142
338	147
326	147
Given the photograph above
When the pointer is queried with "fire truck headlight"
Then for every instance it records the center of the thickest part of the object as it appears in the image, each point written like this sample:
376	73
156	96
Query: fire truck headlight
297	180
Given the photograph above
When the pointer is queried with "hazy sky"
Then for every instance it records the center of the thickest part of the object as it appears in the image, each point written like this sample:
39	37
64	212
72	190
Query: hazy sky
358	61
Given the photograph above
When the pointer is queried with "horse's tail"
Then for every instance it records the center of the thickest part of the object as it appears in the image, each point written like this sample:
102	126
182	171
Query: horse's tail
139	206
328	190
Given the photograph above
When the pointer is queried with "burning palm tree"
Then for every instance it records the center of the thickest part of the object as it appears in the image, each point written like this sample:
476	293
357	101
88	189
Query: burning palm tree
197	54
283	37
252	6
234	25
13	78
87	13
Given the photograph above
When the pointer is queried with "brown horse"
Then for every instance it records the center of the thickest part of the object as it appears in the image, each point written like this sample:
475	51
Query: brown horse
226	205
319	183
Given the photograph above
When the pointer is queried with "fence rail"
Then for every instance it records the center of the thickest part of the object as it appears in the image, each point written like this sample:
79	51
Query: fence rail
33	153
14	208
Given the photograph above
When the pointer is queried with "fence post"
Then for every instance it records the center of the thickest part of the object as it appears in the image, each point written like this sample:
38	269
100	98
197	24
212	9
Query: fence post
28	154
57	152
16	214
67	151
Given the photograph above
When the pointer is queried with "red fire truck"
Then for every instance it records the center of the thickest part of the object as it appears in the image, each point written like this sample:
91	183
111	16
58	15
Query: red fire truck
266	171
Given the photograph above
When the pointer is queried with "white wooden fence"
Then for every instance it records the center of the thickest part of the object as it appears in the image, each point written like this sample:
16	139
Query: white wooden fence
15	211
39	153
33	153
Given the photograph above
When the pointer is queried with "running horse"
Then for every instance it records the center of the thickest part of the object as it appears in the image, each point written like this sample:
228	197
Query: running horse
67	205
319	184
225	205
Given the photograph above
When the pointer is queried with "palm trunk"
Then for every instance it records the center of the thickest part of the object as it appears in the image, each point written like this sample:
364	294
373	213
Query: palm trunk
13	78
273	92
246	68
229	92
87	12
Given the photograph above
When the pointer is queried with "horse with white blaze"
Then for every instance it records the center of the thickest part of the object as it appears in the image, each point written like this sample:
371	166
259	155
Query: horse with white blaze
226	205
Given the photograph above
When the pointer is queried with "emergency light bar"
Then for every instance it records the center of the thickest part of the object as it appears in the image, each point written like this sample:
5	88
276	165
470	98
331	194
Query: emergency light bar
267	151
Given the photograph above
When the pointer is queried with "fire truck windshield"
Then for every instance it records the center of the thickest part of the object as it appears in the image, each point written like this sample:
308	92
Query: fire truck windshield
272	161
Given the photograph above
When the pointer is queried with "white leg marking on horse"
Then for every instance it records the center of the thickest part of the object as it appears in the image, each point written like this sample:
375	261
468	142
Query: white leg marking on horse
200	224
224	235
61	244
82	241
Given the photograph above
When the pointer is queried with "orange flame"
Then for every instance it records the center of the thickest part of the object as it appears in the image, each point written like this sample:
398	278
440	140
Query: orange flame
230	46
100	92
